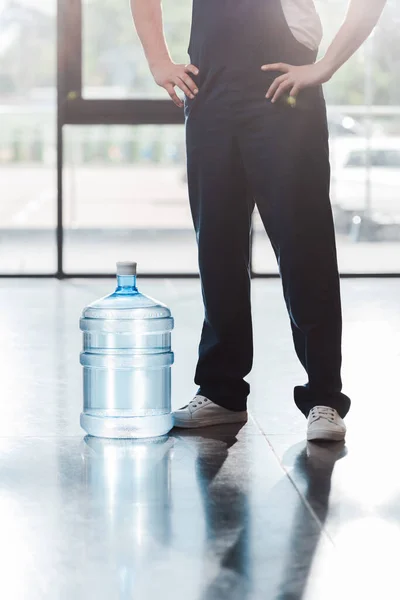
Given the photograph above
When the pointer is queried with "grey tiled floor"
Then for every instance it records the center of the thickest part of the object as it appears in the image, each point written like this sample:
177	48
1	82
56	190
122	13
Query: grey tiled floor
226	513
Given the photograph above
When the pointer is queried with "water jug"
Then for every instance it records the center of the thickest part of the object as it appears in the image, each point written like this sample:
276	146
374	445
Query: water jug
126	363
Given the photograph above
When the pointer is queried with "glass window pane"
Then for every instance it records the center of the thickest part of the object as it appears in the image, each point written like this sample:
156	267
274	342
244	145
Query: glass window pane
363	101
364	151
263	260
27	136
114	65
126	199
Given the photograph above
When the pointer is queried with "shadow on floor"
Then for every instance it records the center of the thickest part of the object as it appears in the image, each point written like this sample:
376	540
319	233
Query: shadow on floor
313	466
226	512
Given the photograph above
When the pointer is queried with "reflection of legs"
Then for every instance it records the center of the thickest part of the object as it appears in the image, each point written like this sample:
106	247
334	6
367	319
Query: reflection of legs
221	212
285	152
226	513
313	467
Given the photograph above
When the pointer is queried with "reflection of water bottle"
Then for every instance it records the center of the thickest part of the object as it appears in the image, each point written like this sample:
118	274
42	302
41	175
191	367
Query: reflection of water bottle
126	363
129	499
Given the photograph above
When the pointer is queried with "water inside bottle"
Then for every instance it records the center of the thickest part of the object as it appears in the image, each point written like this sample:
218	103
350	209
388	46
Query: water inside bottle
127	361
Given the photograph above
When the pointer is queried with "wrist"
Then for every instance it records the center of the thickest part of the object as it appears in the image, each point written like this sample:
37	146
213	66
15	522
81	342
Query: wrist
155	62
327	67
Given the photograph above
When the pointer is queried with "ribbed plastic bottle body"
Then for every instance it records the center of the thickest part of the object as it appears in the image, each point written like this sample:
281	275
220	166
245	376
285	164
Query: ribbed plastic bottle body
127	361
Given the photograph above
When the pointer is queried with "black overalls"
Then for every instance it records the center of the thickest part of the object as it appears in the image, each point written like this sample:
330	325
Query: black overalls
241	150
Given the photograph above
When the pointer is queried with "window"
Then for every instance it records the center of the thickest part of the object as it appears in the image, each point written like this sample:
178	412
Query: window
27	136
113	61
125	198
363	102
125	189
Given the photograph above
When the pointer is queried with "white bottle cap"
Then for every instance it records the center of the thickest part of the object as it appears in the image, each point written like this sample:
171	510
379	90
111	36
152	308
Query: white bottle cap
126	268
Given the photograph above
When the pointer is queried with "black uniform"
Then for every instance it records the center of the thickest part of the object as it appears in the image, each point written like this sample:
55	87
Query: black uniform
242	149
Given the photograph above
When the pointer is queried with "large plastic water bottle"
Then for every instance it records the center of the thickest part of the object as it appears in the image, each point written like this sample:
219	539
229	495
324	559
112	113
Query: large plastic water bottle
127	363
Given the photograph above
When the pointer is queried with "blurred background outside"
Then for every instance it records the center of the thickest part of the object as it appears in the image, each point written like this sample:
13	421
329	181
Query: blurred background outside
125	186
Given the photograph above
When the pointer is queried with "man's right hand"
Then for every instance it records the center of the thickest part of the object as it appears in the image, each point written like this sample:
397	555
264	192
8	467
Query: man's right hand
170	75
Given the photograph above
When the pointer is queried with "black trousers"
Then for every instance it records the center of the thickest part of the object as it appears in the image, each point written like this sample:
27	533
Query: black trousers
242	150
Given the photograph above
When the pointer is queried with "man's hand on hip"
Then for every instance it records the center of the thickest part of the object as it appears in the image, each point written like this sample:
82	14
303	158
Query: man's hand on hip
170	75
360	20
295	79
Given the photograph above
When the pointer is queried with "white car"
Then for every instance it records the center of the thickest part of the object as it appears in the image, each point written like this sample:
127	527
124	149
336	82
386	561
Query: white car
366	177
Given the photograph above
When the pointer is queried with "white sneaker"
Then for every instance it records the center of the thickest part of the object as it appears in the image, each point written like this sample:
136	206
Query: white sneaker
201	412
324	423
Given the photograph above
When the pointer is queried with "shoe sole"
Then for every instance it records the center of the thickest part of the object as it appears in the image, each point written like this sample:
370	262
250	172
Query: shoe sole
210	422
324	435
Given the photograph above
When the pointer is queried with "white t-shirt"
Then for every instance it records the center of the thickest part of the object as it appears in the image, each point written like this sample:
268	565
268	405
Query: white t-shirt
304	22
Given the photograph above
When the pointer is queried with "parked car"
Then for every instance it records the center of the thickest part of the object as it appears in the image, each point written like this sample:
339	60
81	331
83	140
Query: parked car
366	180
342	125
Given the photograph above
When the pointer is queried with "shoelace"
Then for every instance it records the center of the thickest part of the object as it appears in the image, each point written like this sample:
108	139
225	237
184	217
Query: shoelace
323	412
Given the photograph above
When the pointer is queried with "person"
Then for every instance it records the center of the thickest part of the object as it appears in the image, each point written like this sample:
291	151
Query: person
256	134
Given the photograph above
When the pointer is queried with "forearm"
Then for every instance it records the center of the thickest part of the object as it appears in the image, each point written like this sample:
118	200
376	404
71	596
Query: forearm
147	16
361	18
148	19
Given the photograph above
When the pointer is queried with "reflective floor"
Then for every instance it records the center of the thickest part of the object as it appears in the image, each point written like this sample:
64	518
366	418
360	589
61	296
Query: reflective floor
230	512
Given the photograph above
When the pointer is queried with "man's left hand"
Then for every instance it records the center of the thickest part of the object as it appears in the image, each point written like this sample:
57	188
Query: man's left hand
295	79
